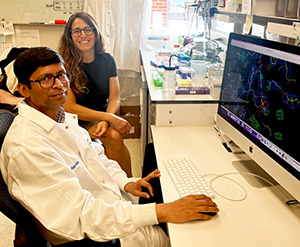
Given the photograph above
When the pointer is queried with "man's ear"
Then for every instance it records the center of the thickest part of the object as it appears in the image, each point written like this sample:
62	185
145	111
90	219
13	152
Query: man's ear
23	90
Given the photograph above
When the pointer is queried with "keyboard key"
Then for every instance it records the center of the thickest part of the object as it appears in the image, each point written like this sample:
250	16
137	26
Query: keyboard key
186	177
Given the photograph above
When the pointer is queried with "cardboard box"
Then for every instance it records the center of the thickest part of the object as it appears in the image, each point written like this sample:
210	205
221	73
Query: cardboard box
132	115
263	7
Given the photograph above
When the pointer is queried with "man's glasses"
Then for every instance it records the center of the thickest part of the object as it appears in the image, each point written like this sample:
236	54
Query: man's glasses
77	32
49	80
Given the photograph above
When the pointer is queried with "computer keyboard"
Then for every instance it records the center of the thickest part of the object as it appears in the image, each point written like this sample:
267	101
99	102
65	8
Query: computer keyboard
186	177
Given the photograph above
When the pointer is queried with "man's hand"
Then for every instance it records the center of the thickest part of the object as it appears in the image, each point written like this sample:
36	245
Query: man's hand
135	188
186	209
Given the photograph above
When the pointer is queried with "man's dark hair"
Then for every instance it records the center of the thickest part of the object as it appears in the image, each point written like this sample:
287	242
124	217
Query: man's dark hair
28	61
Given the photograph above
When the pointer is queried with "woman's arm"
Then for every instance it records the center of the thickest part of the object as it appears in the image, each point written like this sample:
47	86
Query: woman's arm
83	113
8	98
87	114
114	101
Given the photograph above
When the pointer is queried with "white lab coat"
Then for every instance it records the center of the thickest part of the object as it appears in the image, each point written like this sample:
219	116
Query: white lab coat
67	183
12	81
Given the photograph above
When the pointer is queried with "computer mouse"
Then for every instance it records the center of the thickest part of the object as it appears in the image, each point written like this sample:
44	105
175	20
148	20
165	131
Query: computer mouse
209	213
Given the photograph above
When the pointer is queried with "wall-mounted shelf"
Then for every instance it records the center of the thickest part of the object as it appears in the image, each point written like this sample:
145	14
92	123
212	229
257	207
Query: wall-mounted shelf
237	17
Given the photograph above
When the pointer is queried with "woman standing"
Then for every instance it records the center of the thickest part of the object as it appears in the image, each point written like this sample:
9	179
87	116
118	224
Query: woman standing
95	92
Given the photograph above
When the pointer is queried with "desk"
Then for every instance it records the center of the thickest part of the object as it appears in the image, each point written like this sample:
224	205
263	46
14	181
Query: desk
261	220
183	110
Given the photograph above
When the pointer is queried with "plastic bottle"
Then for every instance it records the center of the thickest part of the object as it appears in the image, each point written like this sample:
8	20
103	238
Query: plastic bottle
176	49
169	83
165	43
239	5
181	39
157	78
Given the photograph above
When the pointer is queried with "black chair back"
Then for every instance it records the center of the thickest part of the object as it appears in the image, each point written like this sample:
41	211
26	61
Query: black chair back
11	208
6	118
7	205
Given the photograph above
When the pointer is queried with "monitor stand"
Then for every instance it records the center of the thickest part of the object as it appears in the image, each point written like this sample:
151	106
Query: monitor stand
250	166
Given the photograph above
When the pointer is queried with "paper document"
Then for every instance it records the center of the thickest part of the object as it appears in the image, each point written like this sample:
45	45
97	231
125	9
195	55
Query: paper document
26	38
4	47
7	28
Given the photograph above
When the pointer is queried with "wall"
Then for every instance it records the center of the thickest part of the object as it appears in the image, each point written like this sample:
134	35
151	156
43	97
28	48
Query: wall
26	11
49	34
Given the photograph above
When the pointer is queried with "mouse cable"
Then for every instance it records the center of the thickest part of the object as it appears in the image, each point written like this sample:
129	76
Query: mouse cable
217	176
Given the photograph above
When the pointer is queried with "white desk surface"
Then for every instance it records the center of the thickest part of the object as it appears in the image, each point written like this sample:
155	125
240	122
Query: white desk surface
156	92
261	220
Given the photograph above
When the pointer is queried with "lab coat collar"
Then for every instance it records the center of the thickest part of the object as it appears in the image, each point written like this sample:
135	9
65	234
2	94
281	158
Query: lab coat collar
38	117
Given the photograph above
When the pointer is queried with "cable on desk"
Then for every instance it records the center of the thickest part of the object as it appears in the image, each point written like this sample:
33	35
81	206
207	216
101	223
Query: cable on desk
217	176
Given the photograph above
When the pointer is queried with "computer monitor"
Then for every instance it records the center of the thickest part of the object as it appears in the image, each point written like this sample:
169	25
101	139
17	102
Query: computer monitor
259	105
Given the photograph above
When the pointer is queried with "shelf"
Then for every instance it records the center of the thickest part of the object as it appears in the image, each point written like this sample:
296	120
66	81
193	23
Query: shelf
237	17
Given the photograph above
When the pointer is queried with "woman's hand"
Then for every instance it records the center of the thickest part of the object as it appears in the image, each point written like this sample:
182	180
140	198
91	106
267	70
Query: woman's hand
119	123
101	129
135	188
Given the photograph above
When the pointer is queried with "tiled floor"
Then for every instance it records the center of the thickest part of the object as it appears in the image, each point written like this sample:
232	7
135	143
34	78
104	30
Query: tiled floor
133	146
7	227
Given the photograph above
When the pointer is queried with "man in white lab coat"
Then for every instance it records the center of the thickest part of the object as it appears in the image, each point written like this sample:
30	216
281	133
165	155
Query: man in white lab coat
64	180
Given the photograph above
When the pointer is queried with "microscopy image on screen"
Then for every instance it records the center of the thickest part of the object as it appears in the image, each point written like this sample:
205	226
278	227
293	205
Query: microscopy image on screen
264	92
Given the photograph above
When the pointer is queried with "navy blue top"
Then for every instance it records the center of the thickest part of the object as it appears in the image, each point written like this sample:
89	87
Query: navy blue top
98	72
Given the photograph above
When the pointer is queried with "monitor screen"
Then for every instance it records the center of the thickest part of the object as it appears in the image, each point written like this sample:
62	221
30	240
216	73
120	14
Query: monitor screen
260	106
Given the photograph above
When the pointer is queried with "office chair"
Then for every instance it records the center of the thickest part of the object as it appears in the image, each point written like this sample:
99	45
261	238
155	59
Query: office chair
27	234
